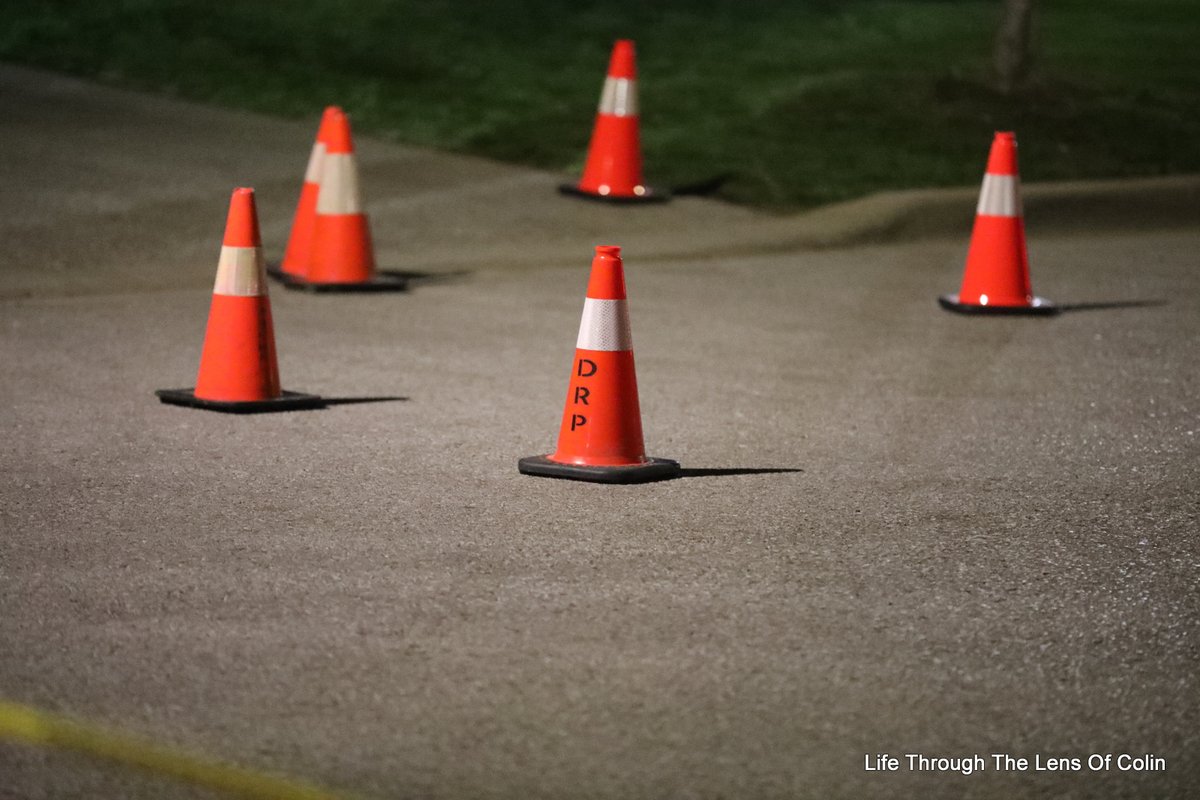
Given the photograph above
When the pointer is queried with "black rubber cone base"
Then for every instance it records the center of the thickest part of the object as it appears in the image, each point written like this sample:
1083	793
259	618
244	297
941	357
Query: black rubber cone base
288	401
654	469
381	281
1040	307
651	195
276	271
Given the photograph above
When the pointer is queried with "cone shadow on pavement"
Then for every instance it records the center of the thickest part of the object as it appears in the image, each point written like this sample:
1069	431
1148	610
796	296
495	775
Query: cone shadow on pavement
353	401
722	472
1109	305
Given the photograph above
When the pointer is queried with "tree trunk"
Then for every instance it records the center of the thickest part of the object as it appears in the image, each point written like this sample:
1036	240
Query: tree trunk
1011	56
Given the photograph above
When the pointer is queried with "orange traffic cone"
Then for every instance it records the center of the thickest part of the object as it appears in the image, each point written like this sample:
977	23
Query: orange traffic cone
601	435
614	161
343	258
996	280
238	370
298	254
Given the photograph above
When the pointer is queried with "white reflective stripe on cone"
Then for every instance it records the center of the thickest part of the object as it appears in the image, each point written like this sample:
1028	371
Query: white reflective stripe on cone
1000	196
619	97
605	325
312	174
241	272
339	185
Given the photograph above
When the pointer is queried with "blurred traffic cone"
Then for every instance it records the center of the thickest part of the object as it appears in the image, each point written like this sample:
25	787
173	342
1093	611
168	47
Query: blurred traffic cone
996	280
343	258
601	435
238	370
299	247
614	161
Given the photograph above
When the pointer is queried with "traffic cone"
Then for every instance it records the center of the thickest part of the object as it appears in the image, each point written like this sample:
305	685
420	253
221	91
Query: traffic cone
996	280
238	371
601	435
343	258
614	162
298	254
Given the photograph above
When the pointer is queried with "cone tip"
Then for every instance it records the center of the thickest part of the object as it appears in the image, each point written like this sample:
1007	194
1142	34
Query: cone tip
623	63
607	281
329	122
241	226
1002	160
337	133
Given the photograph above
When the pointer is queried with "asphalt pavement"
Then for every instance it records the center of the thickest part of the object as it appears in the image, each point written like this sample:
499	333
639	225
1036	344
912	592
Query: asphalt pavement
899	530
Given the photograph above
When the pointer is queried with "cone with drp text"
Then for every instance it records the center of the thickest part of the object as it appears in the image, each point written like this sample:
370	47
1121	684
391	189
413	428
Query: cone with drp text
614	161
238	370
343	257
298	254
601	434
996	279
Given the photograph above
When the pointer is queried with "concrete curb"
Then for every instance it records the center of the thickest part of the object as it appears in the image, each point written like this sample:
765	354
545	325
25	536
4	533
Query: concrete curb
1051	209
1064	207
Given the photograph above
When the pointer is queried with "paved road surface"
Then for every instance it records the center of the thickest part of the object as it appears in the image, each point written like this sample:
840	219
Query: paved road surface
987	542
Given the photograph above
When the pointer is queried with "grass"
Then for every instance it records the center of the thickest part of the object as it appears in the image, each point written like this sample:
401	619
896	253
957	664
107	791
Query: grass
800	102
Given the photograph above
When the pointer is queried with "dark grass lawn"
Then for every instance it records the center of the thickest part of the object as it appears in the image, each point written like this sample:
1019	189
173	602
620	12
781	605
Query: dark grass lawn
799	103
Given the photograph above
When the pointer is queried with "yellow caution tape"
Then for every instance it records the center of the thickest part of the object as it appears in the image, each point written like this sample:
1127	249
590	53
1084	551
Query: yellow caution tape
25	724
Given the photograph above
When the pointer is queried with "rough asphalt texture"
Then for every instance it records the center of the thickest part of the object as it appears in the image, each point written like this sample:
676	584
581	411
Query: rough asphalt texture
987	542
